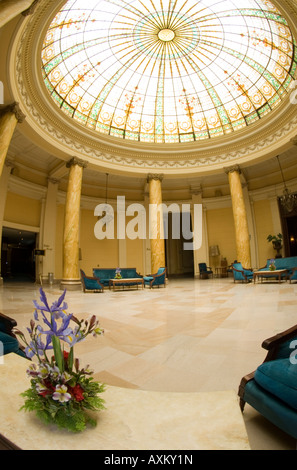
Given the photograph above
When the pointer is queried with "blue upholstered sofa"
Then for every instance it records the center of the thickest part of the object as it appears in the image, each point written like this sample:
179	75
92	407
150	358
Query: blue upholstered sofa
241	274
105	274
285	263
9	343
157	279
91	284
272	388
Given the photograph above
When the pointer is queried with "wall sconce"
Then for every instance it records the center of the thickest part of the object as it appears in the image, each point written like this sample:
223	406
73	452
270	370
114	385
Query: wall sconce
214	250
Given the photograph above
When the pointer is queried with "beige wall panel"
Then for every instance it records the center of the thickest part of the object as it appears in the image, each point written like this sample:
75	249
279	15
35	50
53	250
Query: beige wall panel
22	210
96	253
264	227
221	232
135	255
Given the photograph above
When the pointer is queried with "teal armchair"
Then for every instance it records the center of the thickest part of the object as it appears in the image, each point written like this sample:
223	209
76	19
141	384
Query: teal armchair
272	388
241	274
205	271
9	342
157	279
91	284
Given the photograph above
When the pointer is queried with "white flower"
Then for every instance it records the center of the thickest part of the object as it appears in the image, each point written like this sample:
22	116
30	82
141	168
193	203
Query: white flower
61	394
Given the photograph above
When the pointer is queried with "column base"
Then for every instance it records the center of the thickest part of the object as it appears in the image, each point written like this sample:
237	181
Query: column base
71	284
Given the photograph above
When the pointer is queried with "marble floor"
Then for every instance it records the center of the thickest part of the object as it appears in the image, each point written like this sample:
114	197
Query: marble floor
192	336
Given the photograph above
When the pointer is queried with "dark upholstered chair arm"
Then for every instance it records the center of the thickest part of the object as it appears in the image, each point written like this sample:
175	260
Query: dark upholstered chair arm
7	324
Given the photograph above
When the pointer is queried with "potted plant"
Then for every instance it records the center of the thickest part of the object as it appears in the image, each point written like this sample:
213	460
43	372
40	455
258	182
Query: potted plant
277	242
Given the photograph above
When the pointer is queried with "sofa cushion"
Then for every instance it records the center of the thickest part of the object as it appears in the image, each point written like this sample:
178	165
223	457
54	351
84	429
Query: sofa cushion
92	284
9	343
279	377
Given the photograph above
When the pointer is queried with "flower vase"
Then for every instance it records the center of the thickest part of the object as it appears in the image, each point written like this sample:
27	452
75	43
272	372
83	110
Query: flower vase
61	392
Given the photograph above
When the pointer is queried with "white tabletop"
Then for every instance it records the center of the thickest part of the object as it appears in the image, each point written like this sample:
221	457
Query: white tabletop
133	419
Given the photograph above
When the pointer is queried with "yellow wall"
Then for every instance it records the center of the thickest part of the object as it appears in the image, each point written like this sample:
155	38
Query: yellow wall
134	251
105	253
96	253
221	232
22	210
264	227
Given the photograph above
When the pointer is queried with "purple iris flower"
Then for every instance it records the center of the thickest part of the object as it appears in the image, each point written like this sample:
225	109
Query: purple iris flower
57	309
56	312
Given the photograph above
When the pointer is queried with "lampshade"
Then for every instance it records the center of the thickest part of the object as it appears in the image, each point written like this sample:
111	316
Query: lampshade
214	250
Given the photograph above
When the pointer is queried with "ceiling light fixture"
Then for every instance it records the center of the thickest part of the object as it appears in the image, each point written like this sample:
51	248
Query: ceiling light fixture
288	200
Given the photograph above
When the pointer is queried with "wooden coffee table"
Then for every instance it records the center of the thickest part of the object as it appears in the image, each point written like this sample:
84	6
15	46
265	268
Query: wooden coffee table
130	282
277	273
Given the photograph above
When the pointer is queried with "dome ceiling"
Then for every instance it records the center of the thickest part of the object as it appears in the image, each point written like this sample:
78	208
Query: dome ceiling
168	71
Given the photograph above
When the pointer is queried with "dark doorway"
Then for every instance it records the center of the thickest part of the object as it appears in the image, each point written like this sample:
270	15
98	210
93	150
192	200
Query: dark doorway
179	261
289	229
17	255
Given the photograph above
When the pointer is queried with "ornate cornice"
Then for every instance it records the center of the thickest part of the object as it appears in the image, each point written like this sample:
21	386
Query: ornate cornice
270	136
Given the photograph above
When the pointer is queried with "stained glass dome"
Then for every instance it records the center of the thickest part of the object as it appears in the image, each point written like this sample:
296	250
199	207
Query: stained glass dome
164	71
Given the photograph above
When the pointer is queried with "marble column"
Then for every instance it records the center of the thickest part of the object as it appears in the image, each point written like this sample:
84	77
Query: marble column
156	222
9	9
71	276
240	217
10	116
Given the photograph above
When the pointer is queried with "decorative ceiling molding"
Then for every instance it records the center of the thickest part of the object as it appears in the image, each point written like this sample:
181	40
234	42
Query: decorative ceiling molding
261	140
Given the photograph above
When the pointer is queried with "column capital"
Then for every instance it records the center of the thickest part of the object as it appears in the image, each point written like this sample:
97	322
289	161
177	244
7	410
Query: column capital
154	177
10	164
53	180
29	11
15	109
232	169
76	161
196	190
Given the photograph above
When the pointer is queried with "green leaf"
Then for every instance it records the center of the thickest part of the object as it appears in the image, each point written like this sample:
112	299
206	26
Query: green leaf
58	353
70	360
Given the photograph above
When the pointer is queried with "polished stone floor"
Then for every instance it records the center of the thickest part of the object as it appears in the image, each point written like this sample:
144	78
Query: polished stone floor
192	336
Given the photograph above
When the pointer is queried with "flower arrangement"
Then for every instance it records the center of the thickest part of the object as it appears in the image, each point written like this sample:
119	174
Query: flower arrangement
118	274
272	266
61	392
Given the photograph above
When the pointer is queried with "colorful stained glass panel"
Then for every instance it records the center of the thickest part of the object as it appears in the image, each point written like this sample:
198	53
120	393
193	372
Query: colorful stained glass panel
168	71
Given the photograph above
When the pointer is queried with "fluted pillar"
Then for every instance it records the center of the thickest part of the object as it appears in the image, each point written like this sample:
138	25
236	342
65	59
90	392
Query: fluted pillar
71	277
9	117
240	217
9	9
156	222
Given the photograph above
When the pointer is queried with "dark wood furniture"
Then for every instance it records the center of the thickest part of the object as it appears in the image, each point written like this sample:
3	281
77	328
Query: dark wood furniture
126	283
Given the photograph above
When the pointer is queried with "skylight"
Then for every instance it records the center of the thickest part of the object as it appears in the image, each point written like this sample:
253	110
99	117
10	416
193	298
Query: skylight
168	71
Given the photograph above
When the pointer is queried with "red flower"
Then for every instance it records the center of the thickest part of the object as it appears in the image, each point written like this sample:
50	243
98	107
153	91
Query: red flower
49	390
76	392
66	354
